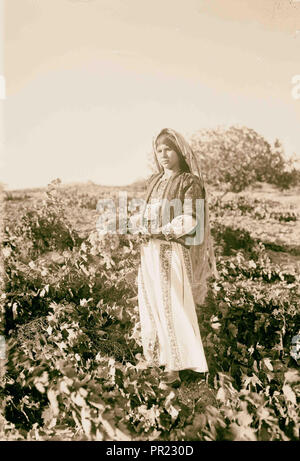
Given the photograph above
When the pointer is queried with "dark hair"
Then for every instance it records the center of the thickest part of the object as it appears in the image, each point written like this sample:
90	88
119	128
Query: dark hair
182	163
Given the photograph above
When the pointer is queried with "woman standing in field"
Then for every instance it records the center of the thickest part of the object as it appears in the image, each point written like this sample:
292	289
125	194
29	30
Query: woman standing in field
176	259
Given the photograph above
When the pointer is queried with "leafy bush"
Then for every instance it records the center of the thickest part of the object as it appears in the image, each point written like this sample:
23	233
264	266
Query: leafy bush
236	157
280	171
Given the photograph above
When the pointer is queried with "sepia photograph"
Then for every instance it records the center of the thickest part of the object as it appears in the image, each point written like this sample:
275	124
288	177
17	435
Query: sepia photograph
150	223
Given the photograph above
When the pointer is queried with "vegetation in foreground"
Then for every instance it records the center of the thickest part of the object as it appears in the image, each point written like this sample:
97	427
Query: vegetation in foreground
75	369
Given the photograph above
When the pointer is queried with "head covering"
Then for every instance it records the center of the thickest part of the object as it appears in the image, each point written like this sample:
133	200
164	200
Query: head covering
203	255
169	141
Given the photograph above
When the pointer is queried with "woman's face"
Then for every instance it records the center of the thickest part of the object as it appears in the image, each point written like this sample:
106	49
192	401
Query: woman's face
167	157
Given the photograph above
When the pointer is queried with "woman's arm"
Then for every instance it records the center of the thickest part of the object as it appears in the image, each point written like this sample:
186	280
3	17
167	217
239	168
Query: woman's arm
193	203
180	226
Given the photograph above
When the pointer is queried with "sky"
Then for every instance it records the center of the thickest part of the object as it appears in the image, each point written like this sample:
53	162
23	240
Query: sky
90	82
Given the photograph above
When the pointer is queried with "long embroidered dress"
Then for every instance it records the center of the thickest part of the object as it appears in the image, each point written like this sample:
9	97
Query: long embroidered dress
169	327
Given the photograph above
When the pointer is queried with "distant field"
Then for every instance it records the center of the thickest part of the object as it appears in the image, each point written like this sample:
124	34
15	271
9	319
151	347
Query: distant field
81	202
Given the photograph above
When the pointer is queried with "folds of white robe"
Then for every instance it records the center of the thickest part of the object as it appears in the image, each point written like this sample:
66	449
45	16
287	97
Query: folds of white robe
169	326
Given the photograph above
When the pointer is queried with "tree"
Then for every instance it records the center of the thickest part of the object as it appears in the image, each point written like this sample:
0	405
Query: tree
234	156
280	171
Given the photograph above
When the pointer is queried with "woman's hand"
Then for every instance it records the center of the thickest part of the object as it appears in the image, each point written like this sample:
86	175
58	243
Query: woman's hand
135	226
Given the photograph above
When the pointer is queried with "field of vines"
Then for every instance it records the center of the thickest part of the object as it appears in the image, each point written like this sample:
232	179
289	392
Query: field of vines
74	367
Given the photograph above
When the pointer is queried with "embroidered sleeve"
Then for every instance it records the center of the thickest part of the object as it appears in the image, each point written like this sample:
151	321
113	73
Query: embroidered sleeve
193	194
